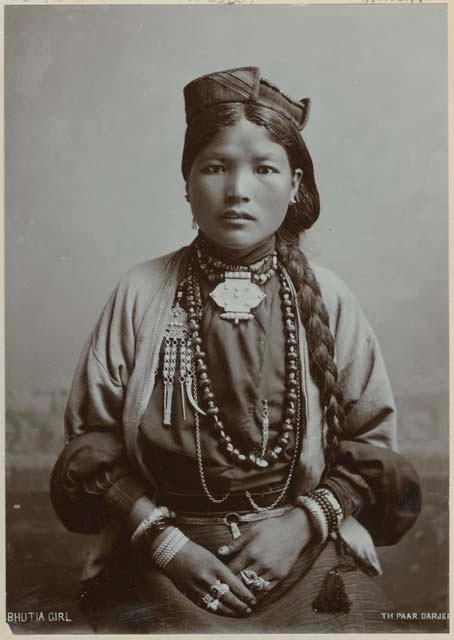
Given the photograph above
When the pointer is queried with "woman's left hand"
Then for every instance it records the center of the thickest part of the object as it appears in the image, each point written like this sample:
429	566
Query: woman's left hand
270	547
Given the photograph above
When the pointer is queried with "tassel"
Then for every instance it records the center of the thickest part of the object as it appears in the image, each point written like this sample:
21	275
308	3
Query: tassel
191	398
168	394
332	597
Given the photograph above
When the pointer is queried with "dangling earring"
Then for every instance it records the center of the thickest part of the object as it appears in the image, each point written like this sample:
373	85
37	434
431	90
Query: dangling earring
195	226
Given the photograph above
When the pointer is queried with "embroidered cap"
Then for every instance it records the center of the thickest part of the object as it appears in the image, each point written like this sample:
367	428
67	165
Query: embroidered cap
245	85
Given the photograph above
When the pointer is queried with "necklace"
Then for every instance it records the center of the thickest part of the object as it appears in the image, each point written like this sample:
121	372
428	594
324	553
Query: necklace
237	291
272	452
214	268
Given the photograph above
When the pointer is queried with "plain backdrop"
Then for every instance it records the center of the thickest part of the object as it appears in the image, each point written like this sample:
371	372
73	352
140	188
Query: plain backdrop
94	131
94	126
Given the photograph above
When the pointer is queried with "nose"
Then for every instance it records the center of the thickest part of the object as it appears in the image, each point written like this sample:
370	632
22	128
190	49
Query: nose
236	189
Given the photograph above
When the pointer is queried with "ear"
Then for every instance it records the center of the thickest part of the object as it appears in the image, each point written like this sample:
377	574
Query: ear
296	179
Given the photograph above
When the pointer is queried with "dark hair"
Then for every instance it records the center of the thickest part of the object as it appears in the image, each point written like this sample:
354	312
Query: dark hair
300	217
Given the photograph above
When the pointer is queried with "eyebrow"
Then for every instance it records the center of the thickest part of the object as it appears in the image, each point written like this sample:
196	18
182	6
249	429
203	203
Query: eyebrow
222	157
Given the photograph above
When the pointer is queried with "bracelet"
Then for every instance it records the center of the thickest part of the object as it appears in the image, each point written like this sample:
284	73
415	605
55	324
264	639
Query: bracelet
328	513
316	515
158	515
168	549
335	505
319	496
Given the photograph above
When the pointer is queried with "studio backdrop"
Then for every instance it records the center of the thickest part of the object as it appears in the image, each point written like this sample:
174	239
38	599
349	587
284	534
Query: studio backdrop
94	124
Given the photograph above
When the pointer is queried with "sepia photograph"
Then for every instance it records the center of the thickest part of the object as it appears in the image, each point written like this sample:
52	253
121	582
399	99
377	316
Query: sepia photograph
226	318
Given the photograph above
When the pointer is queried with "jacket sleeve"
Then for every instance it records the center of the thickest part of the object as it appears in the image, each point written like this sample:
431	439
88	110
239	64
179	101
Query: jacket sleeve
379	486
92	477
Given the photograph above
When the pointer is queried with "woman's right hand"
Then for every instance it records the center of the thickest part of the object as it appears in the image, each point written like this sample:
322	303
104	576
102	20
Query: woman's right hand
194	569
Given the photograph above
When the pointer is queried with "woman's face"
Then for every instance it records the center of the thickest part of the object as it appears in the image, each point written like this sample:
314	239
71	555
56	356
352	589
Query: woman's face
240	186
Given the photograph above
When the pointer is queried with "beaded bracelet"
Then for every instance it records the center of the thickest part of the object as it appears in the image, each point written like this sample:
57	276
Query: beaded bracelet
316	515
324	510
335	505
330	506
319	496
167	550
157	515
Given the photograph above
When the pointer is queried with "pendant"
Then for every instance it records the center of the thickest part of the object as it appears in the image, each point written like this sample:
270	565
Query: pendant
177	346
237	295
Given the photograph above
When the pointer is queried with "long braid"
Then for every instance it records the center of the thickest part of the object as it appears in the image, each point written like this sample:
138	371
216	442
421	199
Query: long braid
319	338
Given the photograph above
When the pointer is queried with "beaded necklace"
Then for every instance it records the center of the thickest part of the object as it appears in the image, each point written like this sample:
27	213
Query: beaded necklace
183	343
271	453
268	454
237	291
215	269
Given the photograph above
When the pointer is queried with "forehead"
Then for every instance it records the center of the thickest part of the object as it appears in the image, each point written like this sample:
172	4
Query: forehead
244	137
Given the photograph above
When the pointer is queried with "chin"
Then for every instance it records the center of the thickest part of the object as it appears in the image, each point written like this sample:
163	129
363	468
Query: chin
237	241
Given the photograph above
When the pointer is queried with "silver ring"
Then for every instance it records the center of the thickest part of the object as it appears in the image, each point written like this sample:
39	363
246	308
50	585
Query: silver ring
213	605
260	584
248	577
218	589
207	598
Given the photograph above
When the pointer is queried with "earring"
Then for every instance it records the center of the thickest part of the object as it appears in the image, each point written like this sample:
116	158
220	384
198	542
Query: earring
187	197
195	226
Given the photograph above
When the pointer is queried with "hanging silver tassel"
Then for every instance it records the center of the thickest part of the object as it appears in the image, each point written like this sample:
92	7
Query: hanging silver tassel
170	362
178	346
175	335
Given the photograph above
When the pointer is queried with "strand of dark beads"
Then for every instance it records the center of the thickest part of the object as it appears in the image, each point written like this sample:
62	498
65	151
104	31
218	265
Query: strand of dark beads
330	514
259	273
273	453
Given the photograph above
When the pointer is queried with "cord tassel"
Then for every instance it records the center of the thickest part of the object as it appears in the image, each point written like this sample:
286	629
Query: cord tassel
332	597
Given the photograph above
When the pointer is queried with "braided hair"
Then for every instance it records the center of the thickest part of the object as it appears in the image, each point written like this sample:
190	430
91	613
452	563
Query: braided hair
300	216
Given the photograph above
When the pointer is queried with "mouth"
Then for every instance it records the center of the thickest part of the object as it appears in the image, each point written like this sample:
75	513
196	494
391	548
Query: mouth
232	214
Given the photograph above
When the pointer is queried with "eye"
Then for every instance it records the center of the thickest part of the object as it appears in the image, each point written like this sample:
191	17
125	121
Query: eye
213	169
265	169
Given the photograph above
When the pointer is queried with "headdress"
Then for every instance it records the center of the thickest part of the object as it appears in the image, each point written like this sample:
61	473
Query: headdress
245	85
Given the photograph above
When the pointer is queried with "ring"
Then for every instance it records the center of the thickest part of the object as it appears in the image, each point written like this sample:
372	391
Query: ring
252	580
260	584
207	599
218	589
213	605
248	577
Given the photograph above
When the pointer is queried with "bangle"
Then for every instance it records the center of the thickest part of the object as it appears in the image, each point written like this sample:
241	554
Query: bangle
158	515
168	549
319	496
325	510
335	505
316	515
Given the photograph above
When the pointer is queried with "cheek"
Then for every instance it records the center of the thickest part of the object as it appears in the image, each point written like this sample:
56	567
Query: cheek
278	195
204	193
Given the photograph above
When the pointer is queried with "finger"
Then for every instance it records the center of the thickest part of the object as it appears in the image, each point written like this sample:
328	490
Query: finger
238	587
225	610
231	601
239	562
234	546
375	562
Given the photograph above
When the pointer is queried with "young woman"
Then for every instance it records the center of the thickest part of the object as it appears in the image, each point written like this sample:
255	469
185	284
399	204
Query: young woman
231	427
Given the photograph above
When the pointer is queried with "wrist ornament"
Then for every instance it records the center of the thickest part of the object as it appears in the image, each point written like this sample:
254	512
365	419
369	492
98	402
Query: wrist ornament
169	547
158	520
323	510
